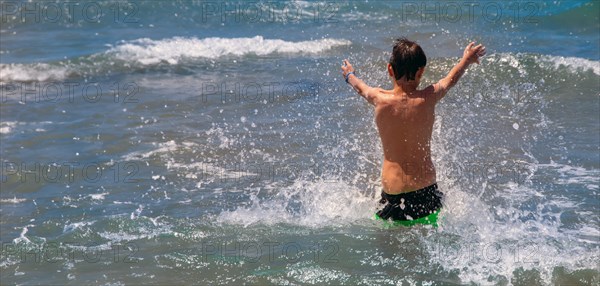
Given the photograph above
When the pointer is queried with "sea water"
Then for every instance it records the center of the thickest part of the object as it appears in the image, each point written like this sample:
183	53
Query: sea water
211	142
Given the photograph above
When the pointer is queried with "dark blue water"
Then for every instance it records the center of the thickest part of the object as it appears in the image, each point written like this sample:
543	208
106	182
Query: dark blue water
170	142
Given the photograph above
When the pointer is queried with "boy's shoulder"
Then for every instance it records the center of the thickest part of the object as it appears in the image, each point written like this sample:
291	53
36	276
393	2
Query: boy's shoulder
379	94
428	90
431	93
387	96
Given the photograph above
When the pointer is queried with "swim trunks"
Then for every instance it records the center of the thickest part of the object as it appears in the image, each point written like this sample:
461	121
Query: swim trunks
421	206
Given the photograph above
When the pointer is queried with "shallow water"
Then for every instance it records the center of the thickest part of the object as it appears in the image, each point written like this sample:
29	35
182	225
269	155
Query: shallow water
173	146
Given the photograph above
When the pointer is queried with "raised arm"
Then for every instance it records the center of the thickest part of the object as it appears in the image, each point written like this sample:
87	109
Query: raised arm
471	55
364	90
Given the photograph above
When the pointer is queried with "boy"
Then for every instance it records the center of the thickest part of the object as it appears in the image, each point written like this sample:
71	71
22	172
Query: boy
404	117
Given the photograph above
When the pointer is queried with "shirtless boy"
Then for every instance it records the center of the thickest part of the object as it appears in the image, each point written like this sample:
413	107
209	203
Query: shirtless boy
404	117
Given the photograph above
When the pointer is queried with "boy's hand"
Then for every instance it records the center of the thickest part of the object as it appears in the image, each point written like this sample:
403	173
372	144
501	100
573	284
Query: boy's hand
346	68
472	54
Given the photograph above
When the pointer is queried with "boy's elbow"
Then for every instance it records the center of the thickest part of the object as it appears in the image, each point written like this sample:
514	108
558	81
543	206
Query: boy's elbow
360	90
447	83
371	95
364	93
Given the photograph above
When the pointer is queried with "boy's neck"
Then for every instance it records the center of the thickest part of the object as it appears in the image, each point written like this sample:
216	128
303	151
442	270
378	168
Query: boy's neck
402	86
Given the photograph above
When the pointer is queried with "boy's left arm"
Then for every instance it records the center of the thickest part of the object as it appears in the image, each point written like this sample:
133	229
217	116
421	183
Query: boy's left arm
364	90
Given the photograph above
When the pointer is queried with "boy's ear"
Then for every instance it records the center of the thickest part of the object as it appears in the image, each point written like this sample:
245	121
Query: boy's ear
390	70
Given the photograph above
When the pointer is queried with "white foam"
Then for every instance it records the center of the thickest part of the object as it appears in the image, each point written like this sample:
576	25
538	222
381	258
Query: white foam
14	200
512	60
7	126
315	275
141	232
474	241
22	237
574	174
32	72
490	229
98	197
573	63
147	51
308	203
172	50
161	148
73	226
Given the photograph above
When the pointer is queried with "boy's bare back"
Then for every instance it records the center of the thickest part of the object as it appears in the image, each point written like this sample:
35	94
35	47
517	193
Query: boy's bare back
405	116
405	123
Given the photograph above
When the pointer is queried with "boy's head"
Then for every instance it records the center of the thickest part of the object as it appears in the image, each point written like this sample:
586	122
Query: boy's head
407	60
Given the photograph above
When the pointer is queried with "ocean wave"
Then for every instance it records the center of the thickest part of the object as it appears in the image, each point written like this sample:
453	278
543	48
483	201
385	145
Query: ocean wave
147	52
546	62
572	63
32	72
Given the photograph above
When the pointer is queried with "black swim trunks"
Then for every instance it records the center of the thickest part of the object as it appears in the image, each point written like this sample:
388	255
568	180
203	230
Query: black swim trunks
411	206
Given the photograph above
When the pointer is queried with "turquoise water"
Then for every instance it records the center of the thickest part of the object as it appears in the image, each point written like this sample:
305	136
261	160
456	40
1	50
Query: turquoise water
171	143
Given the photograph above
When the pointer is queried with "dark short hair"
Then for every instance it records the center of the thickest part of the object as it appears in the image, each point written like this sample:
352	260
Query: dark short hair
407	58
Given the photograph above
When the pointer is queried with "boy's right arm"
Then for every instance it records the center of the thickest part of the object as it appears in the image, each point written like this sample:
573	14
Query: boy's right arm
470	55
369	93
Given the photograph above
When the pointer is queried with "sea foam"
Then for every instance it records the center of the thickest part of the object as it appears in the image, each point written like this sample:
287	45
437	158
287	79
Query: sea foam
147	51
573	63
172	51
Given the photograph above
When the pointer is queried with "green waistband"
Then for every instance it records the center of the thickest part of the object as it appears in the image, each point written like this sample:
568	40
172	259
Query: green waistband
431	219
